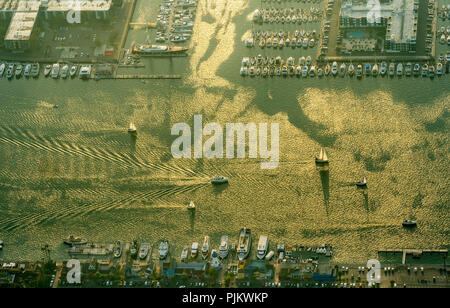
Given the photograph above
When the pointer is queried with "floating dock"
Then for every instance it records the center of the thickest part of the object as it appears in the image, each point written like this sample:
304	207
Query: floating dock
132	76
416	252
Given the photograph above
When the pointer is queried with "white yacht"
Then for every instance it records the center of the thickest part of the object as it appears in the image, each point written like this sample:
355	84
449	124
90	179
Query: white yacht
73	70
163	249
47	70
2	69
334	68
194	250
65	71
143	251
244	244
184	254
85	72
223	248
342	69
400	69
55	71
375	70
205	248
263	246
27	70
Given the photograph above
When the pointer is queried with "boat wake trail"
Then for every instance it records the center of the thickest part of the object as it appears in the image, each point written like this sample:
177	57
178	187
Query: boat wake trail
48	216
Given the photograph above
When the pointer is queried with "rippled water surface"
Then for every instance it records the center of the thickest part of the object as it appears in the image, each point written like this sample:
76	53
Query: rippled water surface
75	170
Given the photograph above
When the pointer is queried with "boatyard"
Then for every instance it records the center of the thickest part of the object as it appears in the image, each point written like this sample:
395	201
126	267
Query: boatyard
233	264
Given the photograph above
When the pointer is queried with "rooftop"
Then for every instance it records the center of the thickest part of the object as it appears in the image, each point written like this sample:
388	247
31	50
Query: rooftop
56	5
401	16
21	26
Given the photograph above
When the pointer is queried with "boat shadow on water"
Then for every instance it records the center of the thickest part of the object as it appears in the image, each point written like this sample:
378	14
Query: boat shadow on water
218	189
325	180
192	220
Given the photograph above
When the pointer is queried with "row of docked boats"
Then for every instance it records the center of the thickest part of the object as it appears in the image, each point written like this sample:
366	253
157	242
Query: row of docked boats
287	15
281	39
259	66
10	70
242	249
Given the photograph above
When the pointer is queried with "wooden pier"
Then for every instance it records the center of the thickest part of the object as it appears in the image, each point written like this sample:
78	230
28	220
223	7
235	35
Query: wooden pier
414	252
133	76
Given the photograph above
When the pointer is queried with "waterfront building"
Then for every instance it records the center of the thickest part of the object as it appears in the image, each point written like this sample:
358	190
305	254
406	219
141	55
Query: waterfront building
22	16
397	17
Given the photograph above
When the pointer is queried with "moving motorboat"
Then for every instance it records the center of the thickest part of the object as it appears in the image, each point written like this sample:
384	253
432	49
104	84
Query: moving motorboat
223	248
263	246
219	180
409	223
205	247
244	244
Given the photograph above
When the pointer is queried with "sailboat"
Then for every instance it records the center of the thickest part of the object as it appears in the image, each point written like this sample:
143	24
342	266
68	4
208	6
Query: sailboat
191	206
363	182
132	129
322	158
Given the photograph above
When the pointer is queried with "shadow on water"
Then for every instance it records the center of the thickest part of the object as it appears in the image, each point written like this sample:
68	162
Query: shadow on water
325	180
133	139
218	189
192	220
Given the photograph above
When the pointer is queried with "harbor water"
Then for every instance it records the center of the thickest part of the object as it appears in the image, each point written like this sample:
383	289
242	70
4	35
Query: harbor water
75	169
